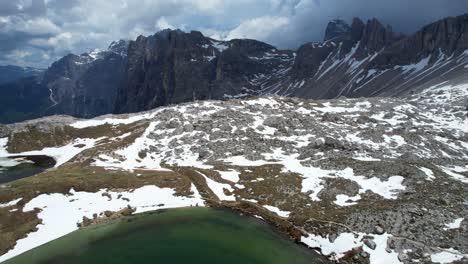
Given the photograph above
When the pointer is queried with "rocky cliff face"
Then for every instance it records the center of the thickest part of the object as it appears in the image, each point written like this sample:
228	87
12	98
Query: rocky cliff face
172	67
361	59
371	60
335	29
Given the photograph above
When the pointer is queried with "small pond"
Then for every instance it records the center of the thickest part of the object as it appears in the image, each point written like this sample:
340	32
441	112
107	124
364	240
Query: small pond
13	168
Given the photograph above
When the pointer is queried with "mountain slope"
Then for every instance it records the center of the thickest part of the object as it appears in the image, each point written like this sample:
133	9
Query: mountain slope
363	179
370	60
86	85
83	85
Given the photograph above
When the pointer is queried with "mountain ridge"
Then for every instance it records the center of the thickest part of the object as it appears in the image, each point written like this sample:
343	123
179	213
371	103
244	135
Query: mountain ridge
172	66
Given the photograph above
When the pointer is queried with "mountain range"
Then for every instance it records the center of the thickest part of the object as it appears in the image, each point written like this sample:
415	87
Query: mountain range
361	59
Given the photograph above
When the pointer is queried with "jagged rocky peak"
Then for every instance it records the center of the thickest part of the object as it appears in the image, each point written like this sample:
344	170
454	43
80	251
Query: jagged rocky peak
371	35
119	47
336	28
73	66
86	85
175	38
376	36
441	39
449	34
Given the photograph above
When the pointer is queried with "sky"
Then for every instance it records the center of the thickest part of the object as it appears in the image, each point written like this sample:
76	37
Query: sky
37	32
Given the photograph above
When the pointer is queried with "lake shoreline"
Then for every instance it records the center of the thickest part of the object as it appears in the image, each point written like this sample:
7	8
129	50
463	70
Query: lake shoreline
243	208
182	214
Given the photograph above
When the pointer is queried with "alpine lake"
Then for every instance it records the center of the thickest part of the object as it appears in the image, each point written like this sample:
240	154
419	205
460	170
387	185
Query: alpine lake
184	235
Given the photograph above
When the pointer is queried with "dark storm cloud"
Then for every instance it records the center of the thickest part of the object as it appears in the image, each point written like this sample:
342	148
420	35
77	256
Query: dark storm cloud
407	16
36	32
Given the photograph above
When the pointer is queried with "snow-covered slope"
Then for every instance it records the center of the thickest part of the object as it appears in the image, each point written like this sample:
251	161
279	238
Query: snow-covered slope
378	179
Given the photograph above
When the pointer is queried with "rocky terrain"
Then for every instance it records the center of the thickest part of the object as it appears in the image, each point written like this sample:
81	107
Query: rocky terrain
364	180
360	59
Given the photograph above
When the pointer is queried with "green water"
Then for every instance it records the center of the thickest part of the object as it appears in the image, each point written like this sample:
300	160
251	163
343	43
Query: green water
30	166
188	235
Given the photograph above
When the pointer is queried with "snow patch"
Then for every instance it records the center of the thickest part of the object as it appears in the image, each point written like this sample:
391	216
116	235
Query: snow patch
347	241
416	66
60	213
453	173
277	211
3	146
11	203
455	224
345	200
445	257
218	188
429	173
231	175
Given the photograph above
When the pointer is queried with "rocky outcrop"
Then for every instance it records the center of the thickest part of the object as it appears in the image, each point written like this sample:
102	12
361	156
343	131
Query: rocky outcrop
335	29
173	66
448	37
371	60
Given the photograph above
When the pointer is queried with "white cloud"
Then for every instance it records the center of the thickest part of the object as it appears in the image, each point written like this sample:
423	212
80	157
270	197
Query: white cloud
258	28
162	24
60	38
60	41
206	5
34	26
213	33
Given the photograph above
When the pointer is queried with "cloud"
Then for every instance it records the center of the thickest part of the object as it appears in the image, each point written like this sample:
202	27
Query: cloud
162	24
310	17
37	32
260	28
61	40
34	26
